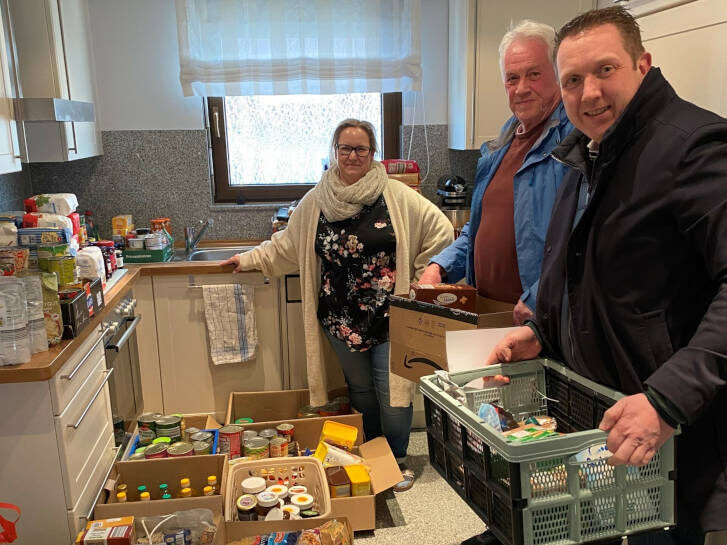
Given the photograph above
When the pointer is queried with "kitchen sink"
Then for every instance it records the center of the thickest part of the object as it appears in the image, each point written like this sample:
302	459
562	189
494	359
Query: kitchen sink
217	254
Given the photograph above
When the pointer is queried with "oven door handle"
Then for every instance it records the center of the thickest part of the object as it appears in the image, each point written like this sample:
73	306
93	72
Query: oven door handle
128	333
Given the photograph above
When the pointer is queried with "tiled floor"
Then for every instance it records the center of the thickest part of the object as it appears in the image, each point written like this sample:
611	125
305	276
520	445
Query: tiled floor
429	513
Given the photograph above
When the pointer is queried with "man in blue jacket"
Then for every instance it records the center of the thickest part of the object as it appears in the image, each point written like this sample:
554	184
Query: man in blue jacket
501	248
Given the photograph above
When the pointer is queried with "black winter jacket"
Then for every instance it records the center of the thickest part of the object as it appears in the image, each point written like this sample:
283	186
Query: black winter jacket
646	273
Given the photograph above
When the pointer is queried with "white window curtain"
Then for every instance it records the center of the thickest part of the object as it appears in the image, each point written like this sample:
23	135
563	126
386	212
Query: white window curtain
281	47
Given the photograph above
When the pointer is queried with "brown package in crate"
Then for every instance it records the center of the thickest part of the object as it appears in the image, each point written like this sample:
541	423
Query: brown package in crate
458	296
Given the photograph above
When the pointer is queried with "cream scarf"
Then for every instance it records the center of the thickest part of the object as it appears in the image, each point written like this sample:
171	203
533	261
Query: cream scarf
339	201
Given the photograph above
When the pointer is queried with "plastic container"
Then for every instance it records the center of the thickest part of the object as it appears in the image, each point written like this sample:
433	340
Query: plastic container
360	480
338	434
546	491
310	474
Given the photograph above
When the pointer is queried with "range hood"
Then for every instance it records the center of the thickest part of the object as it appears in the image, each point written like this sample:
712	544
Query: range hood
55	109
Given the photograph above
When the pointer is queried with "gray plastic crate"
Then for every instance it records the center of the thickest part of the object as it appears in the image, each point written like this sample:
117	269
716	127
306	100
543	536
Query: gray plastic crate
537	493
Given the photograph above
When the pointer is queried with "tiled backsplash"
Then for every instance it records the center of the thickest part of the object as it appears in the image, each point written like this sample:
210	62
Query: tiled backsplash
165	173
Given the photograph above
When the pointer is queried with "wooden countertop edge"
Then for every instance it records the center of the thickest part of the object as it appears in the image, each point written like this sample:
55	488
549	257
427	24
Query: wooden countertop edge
183	267
44	365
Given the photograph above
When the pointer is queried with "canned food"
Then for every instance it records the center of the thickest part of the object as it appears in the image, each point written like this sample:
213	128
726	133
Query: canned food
137	456
157	450
230	441
63	266
246	507
243	420
257	448
188	433
330	409
166	440
278	447
180	449
147	428
268	433
285	430
204	436
202	447
248	434
308	411
344	402
169	426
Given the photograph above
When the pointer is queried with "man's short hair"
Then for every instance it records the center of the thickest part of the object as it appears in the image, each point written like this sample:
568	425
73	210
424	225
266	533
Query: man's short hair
527	30
616	16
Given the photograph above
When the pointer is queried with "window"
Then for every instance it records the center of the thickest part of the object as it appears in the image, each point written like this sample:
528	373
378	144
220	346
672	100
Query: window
273	148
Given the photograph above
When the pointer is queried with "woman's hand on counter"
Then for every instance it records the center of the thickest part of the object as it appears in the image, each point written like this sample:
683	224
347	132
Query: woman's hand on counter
234	260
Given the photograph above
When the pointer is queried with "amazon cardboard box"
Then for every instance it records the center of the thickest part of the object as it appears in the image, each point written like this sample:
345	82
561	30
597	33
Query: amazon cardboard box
417	331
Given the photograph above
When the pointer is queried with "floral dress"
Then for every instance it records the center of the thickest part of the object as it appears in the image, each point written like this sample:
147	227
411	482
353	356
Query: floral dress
358	273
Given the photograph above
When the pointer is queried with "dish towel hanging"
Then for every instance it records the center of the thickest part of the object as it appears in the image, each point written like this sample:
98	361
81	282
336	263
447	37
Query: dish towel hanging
230	318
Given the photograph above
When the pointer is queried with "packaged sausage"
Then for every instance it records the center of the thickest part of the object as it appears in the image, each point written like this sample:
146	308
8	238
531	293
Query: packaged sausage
459	296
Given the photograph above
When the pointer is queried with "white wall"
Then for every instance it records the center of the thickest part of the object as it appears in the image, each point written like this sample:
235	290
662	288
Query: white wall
137	66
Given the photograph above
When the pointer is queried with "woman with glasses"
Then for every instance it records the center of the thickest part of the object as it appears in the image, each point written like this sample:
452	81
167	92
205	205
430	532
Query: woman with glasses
356	238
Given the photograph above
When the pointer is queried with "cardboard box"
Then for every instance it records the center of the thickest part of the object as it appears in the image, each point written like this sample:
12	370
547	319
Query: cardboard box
384	473
238	530
307	431
166	470
459	296
272	406
417	332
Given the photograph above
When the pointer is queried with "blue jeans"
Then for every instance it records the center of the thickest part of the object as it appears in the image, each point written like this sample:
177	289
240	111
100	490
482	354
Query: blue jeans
367	376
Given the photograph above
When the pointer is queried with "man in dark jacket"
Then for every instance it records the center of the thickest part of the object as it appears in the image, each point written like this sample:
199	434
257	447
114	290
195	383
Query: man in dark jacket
633	290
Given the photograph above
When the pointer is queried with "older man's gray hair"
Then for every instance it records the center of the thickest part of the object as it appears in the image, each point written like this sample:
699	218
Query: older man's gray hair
527	30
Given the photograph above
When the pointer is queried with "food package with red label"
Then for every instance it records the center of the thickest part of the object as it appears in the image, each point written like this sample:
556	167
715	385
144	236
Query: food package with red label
400	166
52	203
115	531
459	296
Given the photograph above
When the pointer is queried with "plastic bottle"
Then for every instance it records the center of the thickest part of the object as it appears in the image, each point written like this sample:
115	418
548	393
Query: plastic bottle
121	497
185	493
208	491
212	482
91	229
144	496
163	489
167	497
185	483
140	490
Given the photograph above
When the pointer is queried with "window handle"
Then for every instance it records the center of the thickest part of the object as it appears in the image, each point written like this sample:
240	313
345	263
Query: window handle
216	118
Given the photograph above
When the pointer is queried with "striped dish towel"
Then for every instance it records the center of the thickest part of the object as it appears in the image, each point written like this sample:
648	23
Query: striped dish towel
230	318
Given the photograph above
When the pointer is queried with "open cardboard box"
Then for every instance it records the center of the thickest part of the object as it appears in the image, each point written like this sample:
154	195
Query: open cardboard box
166	470
239	530
275	407
384	473
307	431
417	332
201	421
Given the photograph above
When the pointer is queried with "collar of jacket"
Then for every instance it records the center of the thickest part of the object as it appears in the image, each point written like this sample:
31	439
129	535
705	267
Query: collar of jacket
651	96
558	117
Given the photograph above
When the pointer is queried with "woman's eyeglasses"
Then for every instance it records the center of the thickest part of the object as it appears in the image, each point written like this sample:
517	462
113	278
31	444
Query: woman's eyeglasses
361	151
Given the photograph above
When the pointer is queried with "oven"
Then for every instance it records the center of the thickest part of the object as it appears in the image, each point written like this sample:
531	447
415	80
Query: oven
122	355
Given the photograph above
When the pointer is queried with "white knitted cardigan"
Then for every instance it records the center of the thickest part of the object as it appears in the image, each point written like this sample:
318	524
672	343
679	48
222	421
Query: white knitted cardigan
421	230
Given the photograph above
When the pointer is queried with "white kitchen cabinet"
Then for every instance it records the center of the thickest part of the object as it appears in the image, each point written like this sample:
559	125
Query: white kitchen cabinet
9	144
55	60
55	459
190	382
477	99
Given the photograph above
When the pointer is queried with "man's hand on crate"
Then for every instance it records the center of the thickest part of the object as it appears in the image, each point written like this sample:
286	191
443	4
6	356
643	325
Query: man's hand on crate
635	431
518	345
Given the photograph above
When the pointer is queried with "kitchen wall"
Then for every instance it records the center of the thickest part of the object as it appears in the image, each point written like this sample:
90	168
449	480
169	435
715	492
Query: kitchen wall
155	157
14	188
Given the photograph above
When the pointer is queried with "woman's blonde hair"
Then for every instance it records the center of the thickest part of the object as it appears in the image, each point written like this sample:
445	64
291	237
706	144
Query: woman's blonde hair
367	127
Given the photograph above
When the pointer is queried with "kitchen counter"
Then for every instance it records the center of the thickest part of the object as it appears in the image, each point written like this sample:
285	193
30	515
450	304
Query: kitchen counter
44	365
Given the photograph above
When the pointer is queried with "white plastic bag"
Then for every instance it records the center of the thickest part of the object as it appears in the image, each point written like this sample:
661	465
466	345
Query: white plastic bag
90	263
8	234
34	304
14	339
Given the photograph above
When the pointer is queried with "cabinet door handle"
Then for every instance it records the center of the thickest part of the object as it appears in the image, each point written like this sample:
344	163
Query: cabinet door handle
216	119
95	395
95	501
72	374
129	331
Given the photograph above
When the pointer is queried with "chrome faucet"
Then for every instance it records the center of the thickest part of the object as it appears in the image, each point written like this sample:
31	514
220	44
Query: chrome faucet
191	239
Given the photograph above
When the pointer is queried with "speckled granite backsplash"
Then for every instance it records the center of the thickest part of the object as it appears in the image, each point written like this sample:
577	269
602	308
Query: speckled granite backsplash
165	173
14	187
